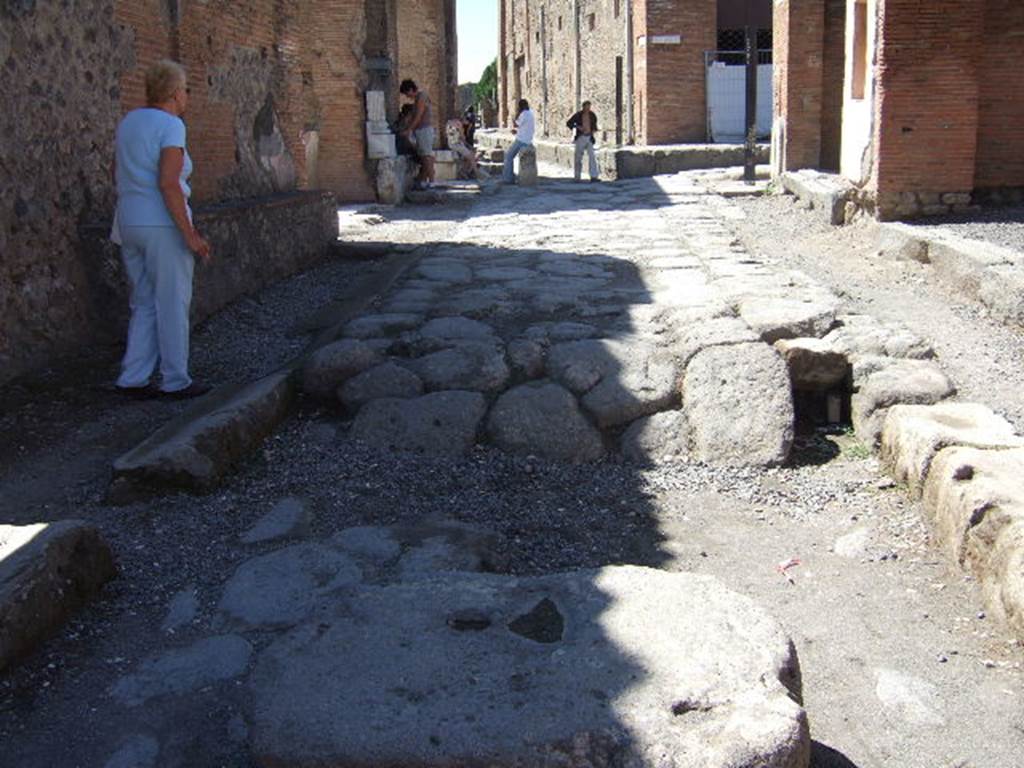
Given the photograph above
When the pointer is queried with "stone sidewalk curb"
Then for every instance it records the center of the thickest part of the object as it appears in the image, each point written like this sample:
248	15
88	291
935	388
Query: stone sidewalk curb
824	193
196	450
47	571
967	465
988	274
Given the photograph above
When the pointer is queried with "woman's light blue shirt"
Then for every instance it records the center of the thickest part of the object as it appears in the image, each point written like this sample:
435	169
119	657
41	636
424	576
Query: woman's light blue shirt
141	136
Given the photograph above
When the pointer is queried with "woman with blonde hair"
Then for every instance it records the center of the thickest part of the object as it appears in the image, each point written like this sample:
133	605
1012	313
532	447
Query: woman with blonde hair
153	224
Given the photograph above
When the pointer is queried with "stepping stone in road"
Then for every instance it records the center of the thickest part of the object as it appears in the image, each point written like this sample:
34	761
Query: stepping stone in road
441	423
543	419
738	403
581	668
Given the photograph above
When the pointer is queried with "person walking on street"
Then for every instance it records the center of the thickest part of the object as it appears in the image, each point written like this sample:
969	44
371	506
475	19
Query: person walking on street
584	123
524	129
421	131
153	226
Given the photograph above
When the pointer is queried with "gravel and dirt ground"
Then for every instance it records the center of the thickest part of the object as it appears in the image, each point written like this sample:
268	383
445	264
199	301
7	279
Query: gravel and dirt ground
900	665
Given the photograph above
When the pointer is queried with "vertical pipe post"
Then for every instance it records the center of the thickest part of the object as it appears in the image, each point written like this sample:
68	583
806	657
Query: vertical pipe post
749	154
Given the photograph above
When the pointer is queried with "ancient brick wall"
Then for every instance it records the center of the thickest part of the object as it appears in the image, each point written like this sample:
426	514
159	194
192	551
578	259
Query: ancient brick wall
927	107
675	89
425	48
1000	160
799	28
276	104
833	75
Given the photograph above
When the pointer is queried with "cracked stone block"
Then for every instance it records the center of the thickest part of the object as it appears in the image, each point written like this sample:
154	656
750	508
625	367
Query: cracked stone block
592	665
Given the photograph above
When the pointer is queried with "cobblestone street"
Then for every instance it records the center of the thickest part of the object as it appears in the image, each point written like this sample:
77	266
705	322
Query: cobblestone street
554	379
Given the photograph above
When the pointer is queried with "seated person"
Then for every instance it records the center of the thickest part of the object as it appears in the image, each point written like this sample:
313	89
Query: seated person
465	156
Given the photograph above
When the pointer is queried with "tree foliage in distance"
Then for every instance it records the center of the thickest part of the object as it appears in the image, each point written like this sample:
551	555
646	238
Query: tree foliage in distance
487	87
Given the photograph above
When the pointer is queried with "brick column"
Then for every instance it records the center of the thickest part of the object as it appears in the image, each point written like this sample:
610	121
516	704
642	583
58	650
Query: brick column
799	29
926	121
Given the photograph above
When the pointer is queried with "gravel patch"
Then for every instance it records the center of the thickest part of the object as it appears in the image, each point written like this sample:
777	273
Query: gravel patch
1000	226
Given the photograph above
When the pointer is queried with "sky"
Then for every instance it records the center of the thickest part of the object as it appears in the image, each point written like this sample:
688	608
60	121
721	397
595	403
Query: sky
477	29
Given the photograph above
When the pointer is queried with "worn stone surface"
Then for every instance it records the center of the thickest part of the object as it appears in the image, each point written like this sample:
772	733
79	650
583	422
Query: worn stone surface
737	401
183	609
527	176
813	363
135	752
653	438
471	365
194	451
894	382
648	383
280	589
583	668
778	318
184	670
860	335
289	518
443	423
710	332
913	434
526	358
330	366
387	380
47	571
976	498
461	328
543	419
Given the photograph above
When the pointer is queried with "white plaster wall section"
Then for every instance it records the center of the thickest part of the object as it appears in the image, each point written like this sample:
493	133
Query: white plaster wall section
858	113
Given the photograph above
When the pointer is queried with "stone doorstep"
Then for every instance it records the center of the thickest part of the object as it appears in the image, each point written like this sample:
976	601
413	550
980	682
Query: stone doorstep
47	571
822	192
976	500
195	450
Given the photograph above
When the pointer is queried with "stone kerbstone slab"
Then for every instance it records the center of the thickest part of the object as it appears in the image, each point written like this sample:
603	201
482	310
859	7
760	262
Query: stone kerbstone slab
330	366
738	402
441	423
47	571
657	437
289	518
813	364
184	670
883	383
196	450
387	380
543	419
774	318
912	435
863	335
586	668
826	193
470	365
1001	289
976	498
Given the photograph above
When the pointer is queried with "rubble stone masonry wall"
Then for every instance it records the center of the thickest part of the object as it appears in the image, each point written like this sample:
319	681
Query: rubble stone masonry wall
275	105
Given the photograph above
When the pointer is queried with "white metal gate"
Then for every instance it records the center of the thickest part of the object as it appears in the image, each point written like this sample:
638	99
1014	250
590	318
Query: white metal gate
726	95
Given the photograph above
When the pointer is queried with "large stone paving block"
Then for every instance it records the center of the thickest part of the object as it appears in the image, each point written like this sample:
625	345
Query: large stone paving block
197	449
469	365
441	423
47	571
543	419
594	668
882	383
976	498
739	405
785	318
330	366
913	434
657	437
861	335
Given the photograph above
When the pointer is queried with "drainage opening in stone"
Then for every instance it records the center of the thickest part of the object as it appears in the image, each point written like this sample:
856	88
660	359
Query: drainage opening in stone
822	424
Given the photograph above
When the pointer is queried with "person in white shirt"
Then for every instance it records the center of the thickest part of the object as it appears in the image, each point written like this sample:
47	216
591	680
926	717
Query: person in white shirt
524	138
153	225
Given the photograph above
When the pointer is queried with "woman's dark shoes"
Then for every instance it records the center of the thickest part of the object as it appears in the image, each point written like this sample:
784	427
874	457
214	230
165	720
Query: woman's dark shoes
192	390
144	392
